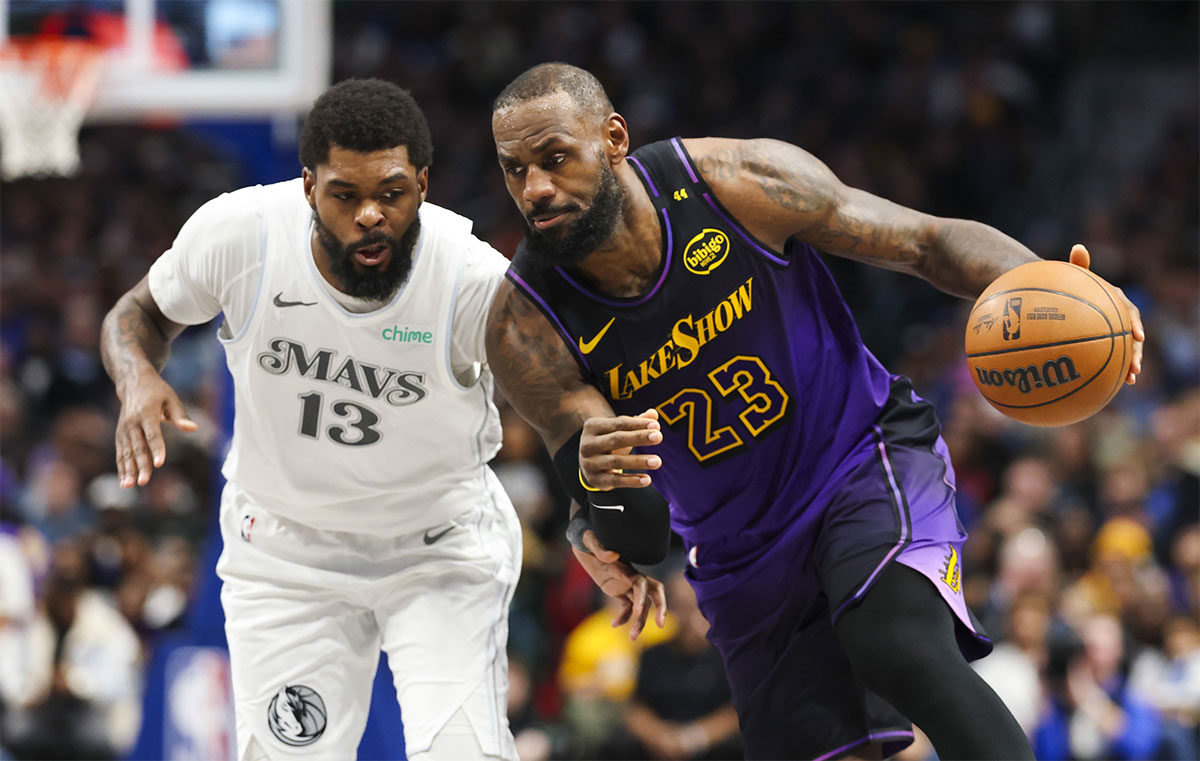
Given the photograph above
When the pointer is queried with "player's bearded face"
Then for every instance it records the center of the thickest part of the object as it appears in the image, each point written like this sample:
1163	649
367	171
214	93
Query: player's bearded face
572	240
375	283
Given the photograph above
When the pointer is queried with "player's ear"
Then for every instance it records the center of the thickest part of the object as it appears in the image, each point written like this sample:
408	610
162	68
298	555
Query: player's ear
423	182
310	186
616	137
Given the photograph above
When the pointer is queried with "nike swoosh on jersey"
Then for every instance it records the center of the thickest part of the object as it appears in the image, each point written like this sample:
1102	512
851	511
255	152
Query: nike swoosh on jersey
618	508
279	302
587	346
431	539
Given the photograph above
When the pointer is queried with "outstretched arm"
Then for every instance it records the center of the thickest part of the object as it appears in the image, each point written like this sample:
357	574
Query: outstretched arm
780	192
135	341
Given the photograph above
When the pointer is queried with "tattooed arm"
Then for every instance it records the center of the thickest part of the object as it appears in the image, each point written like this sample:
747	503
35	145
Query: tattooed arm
135	341
779	191
535	371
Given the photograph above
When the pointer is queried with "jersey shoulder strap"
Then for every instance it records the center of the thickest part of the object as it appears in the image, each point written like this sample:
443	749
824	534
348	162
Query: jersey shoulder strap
668	172
679	190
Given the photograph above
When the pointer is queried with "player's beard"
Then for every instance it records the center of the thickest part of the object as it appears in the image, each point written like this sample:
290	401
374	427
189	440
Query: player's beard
370	283
572	241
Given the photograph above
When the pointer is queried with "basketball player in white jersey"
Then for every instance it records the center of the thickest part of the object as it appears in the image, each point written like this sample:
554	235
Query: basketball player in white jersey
359	512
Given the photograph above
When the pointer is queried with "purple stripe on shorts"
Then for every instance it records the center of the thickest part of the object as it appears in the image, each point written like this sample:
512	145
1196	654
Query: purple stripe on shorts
869	738
549	312
645	175
626	303
742	233
683	159
899	500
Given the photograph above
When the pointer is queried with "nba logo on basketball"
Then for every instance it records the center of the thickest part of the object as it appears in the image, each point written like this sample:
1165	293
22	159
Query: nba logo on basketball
1012	319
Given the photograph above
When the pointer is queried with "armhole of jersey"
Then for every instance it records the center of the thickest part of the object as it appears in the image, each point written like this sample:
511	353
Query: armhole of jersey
446	363
545	309
252	314
706	192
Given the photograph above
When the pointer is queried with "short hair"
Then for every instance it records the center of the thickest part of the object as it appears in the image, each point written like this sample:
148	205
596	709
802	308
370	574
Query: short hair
365	115
547	78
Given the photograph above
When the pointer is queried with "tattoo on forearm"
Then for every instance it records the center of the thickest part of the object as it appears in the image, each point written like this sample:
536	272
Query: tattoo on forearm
129	335
533	367
879	239
970	255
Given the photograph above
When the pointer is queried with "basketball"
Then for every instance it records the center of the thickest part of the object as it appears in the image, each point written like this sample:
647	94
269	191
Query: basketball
1049	343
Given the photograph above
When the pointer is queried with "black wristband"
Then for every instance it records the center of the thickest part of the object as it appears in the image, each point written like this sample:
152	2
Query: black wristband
579	524
635	523
566	463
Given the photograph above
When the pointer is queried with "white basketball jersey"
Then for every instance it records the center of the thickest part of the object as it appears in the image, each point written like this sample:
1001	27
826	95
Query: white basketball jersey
355	422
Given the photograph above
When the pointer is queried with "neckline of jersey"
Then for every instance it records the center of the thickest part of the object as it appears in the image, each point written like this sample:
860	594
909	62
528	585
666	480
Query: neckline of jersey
668	245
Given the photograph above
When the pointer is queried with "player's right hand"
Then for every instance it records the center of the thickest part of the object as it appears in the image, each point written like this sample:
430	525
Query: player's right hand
605	450
636	592
145	403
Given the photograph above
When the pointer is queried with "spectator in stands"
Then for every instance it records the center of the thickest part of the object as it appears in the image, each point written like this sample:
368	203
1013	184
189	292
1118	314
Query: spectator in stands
682	707
82	697
1093	712
598	674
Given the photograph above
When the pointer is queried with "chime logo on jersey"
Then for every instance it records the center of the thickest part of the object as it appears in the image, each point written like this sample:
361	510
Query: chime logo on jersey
706	251
397	387
297	715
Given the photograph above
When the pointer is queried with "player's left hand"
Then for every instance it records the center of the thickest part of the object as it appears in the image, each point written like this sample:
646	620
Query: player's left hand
606	446
636	592
1081	258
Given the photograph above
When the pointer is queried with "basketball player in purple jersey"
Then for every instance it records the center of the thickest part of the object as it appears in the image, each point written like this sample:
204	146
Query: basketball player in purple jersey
667	313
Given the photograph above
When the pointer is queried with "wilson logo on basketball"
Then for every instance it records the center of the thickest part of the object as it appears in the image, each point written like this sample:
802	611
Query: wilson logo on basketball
706	251
1053	372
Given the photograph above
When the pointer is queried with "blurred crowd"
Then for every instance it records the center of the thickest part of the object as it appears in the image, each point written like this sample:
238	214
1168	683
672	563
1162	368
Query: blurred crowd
1056	123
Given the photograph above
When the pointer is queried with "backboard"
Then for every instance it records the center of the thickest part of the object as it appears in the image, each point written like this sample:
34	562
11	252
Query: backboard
191	58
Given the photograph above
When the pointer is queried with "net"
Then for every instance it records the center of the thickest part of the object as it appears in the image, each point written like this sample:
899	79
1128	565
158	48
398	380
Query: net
46	87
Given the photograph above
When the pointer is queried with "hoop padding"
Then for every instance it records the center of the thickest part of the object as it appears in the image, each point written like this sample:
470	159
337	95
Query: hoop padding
46	88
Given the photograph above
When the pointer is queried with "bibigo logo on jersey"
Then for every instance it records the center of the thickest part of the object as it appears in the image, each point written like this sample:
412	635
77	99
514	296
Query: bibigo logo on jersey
706	251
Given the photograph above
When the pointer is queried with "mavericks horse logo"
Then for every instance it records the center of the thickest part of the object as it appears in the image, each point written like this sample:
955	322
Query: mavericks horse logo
297	715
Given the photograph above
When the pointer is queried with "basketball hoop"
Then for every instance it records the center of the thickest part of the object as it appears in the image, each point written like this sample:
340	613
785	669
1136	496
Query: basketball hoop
46	87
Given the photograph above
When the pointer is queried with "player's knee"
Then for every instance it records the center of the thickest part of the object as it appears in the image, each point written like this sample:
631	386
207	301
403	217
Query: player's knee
892	654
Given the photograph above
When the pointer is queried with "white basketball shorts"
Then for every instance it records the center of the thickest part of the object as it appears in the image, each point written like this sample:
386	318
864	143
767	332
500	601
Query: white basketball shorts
308	611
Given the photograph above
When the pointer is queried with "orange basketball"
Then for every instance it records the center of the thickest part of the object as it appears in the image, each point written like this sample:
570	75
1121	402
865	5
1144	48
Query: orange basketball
1049	343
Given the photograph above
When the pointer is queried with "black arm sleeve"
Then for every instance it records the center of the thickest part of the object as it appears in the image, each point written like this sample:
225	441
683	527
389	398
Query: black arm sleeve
634	523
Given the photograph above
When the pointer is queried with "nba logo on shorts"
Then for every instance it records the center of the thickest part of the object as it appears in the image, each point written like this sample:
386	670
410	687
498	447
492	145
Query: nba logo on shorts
296	715
247	525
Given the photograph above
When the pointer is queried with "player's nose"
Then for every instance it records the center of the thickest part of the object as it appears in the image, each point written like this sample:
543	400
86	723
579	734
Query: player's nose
538	185
369	215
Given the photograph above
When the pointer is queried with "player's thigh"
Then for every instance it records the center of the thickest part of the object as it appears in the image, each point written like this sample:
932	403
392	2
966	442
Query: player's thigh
804	701
302	663
445	631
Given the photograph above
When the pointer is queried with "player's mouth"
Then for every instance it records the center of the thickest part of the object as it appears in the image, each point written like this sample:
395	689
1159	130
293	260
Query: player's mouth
373	255
546	220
